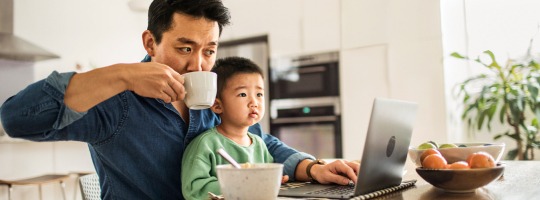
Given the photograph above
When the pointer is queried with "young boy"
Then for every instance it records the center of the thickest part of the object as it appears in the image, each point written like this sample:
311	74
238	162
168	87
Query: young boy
240	104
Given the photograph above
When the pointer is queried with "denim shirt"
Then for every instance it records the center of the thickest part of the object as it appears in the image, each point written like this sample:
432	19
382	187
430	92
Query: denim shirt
136	143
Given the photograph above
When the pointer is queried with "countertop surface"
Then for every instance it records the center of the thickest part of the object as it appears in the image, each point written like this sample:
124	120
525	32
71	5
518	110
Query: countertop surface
521	180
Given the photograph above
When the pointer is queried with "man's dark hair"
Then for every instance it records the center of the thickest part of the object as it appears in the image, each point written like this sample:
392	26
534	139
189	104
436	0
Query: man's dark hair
225	68
160	13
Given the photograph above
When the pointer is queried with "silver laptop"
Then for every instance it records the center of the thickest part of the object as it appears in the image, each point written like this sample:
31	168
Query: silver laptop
385	152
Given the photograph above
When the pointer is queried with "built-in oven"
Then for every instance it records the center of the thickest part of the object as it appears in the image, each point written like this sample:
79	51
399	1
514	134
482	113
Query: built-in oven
311	125
305	110
305	76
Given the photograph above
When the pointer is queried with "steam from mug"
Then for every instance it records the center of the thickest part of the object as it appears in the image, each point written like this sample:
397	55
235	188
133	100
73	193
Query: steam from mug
201	89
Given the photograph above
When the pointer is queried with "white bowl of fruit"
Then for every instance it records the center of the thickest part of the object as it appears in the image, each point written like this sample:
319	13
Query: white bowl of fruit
454	152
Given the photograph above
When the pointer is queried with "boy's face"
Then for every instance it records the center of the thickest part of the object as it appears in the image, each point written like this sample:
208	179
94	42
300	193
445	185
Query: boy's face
242	100
189	45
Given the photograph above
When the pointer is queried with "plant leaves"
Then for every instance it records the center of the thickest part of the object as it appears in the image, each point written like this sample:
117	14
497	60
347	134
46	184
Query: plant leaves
512	90
502	112
533	90
457	55
512	154
514	136
493	60
537	112
481	117
469	108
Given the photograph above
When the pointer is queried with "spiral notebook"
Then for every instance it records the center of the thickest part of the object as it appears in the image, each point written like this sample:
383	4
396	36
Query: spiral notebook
385	152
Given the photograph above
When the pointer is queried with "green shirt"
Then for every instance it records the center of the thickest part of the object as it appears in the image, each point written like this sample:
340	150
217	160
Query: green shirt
200	161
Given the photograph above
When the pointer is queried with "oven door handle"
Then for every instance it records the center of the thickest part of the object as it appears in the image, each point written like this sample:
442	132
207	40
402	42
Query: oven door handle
288	120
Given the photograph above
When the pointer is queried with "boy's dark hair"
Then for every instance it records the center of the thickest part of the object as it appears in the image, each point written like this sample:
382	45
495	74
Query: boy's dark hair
161	12
225	68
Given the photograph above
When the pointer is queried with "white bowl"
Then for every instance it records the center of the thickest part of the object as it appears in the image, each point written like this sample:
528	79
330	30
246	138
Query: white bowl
461	153
259	181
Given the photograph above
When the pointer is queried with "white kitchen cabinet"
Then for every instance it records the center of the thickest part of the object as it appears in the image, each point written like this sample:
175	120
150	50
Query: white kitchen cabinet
321	26
363	76
248	19
279	19
293	27
364	22
410	67
285	27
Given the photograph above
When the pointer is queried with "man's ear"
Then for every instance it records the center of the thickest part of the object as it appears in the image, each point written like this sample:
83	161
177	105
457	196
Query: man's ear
217	107
148	42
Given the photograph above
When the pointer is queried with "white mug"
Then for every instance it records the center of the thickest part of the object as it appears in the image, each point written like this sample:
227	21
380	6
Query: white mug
201	89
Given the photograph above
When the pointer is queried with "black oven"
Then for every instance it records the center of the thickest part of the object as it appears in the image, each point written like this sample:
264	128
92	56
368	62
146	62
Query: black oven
305	76
311	125
305	104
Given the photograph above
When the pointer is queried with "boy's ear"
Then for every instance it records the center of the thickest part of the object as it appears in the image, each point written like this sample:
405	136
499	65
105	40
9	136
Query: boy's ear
217	107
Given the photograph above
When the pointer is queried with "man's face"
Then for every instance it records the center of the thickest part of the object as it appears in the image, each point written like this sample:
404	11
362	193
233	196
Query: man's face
189	45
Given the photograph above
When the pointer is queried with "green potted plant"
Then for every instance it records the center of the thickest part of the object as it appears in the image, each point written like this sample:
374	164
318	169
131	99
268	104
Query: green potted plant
507	93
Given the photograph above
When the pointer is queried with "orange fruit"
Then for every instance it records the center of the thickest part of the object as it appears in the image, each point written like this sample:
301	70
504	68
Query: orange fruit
459	165
469	158
427	153
481	160
434	161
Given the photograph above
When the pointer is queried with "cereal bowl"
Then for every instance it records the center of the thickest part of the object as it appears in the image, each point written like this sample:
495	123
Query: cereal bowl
461	153
460	181
254	181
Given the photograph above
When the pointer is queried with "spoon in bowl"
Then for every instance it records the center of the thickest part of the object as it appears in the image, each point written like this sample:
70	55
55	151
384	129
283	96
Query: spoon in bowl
228	157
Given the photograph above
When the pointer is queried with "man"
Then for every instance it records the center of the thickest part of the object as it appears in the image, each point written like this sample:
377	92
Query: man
133	116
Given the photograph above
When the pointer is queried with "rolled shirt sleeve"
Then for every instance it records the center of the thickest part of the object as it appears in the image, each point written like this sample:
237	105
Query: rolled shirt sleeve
289	166
57	84
42	104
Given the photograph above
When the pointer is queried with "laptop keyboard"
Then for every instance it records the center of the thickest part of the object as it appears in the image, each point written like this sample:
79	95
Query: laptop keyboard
338	190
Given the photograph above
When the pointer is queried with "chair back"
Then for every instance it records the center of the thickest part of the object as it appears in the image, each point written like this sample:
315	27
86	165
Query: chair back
90	188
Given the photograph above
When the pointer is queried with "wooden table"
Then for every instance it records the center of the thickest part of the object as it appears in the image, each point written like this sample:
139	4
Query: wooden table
521	180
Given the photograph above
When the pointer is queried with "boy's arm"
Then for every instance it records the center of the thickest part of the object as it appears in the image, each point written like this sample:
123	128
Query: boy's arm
196	178
196	182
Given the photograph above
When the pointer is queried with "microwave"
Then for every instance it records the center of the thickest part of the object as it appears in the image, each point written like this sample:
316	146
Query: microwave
306	76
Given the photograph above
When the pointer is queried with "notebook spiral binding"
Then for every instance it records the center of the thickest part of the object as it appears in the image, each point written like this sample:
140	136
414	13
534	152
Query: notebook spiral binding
378	193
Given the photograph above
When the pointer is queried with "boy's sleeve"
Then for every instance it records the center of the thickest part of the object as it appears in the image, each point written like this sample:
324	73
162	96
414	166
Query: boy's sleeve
196	178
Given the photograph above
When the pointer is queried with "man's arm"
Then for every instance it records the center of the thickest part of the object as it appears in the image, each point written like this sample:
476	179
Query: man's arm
38	108
59	100
38	113
148	79
339	172
295	163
